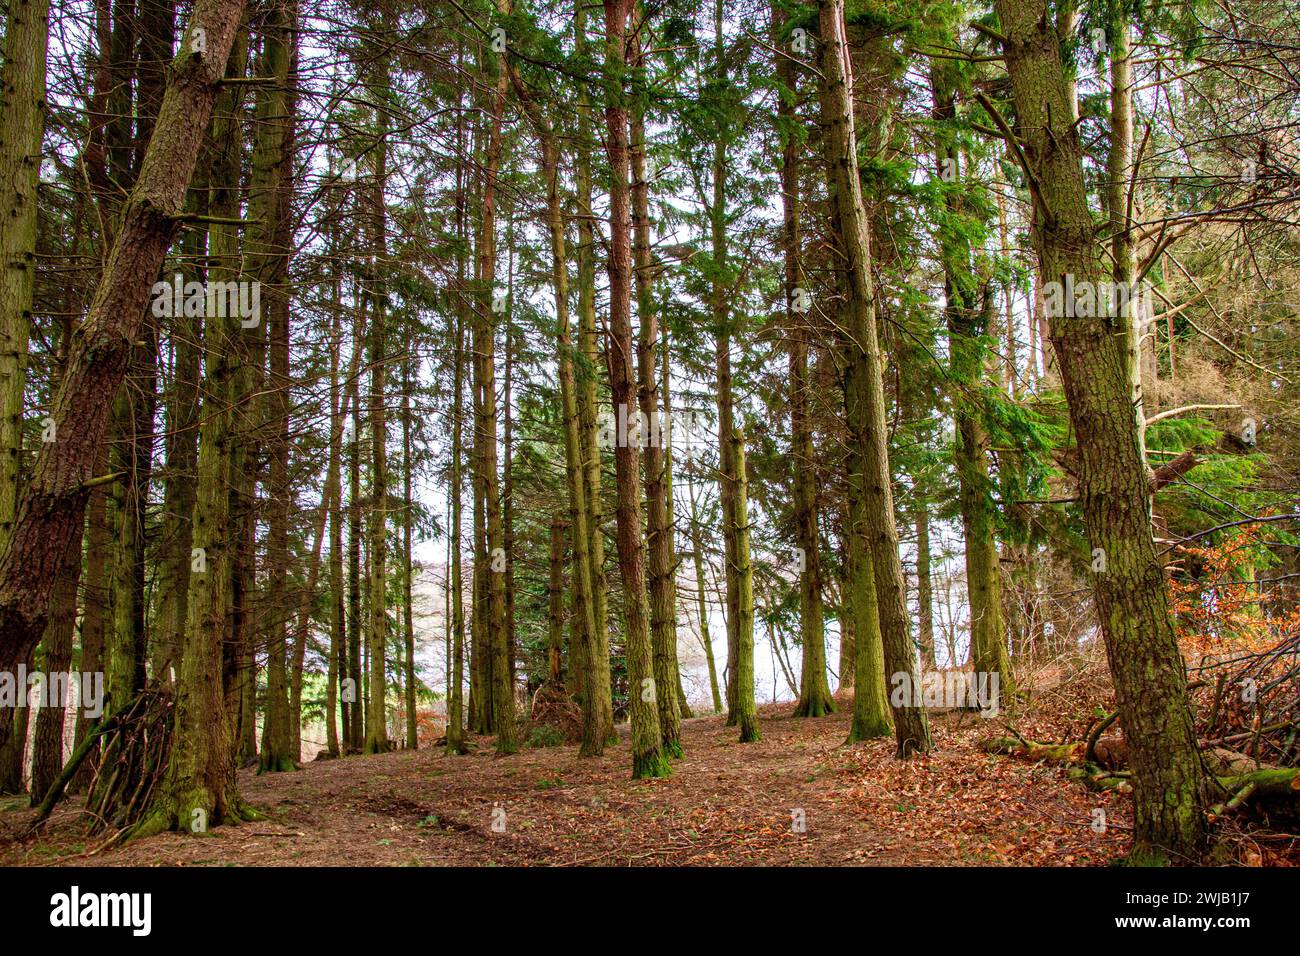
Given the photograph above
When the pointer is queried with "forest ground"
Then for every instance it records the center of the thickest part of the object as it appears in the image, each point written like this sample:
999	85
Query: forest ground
726	804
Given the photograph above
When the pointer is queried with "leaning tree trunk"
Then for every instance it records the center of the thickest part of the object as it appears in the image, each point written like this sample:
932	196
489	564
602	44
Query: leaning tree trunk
1128	587
53	508
911	729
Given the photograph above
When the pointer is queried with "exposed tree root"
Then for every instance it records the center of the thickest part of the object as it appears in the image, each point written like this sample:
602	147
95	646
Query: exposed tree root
188	813
816	705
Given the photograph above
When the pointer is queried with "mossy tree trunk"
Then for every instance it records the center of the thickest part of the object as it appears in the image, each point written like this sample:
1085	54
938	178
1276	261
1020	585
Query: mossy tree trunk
555	606
498	686
815	697
647	752
735	519
1129	588
22	125
583	679
968	313
743	703
865	386
660	557
377	294
333	500
354	730
587	365
455	696
198	787
268	254
408	567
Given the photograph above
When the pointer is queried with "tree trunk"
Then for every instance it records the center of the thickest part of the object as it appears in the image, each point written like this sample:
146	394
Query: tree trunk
735	519
867	415
22	125
583	680
815	698
355	730
499	686
455	701
1129	588
53	508
333	502
198	788
1122	245
660	562
924	589
180	482
268	250
647	754
968	315
598	683
377	551
555	607
56	658
408	519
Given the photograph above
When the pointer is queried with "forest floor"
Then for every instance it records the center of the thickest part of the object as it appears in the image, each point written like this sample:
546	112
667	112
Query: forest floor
725	804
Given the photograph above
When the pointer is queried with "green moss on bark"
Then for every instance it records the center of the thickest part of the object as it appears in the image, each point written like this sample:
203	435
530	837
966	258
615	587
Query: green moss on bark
650	765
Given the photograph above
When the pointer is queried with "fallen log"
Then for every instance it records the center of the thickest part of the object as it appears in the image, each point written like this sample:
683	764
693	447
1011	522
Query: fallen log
1235	777
1072	753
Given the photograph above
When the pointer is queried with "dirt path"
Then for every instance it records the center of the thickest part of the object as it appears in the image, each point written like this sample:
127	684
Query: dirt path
726	804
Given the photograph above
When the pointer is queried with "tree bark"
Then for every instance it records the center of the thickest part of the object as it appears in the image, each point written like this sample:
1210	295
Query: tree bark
867	412
660	558
1129	588
53	508
647	753
587	369
815	697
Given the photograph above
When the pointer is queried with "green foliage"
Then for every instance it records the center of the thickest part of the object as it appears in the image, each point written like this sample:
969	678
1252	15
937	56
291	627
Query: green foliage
544	735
